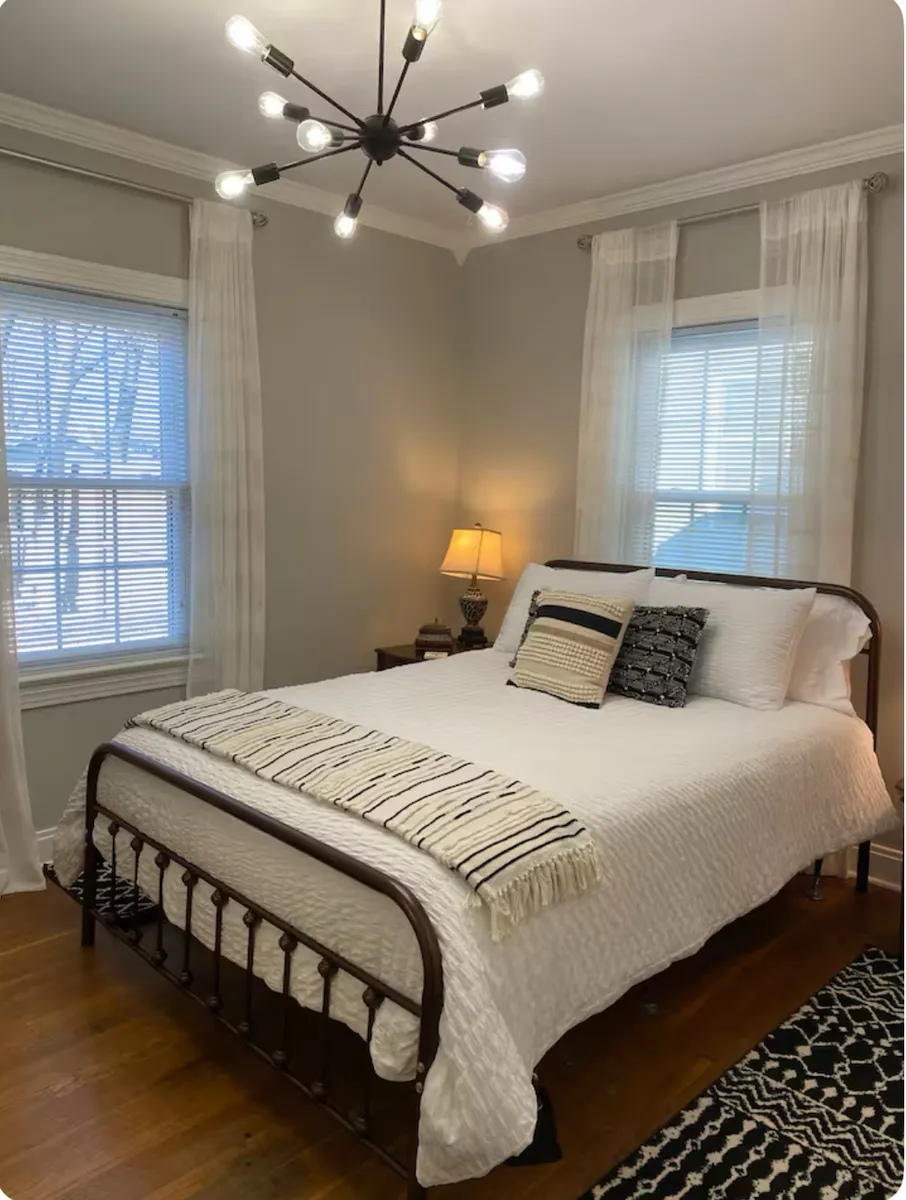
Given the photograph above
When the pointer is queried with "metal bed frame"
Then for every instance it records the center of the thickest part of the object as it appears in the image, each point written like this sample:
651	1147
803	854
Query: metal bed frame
427	1009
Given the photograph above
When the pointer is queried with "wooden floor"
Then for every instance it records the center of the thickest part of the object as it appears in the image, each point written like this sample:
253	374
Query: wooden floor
114	1087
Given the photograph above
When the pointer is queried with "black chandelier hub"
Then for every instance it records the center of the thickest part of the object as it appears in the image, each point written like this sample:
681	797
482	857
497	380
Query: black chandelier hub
381	138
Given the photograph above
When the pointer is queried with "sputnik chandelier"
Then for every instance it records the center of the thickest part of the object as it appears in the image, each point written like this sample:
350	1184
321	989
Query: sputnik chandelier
379	136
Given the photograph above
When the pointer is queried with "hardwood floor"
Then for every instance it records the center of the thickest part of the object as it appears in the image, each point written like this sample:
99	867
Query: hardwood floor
114	1087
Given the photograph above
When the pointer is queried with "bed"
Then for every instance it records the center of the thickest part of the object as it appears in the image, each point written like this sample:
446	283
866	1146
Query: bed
700	814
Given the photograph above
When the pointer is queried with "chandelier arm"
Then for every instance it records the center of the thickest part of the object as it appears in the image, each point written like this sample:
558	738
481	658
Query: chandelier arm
434	175
324	96
336	125
365	173
431	149
440	116
301	162
380	77
397	90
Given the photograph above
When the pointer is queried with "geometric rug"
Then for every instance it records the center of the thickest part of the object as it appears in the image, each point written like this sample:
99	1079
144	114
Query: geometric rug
814	1112
130	904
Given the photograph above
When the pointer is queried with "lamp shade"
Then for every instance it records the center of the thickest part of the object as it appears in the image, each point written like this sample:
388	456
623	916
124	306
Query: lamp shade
476	551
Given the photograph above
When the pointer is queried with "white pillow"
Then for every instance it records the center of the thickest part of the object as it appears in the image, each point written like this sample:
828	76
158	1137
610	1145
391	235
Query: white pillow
836	631
750	639
632	585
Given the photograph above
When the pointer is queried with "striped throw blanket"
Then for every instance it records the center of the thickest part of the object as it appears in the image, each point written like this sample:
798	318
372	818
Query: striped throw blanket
517	850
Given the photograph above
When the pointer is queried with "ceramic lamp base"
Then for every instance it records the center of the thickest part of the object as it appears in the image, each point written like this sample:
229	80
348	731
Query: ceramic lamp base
472	604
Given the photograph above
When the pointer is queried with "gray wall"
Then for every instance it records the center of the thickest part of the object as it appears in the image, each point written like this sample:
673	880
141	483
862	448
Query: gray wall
524	313
357	367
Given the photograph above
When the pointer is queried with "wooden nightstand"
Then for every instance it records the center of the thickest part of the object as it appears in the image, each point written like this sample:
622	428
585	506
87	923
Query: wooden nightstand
401	656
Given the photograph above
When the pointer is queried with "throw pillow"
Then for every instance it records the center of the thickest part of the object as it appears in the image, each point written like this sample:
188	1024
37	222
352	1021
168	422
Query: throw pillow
571	647
657	654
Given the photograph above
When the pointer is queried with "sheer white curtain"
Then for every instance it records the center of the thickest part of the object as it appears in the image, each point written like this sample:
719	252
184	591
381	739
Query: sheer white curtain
20	868
627	333
814	296
225	453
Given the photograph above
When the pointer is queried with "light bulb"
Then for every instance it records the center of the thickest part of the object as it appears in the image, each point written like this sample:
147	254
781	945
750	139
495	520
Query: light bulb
526	85
430	128
345	226
244	36
313	136
493	218
508	165
271	105
427	14
230	184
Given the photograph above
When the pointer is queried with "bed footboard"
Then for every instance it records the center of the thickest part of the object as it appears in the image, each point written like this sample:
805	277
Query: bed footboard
375	991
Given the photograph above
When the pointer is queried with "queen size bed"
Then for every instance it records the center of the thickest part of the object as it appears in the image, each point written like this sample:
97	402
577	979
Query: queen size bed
699	814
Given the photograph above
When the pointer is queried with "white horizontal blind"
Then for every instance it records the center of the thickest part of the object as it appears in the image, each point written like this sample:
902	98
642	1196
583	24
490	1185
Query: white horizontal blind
723	451
94	404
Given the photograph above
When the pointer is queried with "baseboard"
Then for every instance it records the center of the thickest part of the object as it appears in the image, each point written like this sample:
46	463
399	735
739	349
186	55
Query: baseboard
45	844
885	868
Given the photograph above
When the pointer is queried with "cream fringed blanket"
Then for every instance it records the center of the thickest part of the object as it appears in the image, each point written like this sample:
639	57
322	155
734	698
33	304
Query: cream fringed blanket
517	850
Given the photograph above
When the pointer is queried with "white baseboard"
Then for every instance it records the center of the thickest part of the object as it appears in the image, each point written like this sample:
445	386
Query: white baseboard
885	868
45	844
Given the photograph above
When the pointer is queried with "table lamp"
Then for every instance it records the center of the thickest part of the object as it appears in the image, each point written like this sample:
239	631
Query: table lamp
474	554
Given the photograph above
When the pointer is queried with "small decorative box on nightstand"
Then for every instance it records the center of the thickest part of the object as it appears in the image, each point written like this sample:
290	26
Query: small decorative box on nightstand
401	656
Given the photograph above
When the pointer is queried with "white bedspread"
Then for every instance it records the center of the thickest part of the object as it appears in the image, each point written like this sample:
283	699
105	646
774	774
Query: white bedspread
701	814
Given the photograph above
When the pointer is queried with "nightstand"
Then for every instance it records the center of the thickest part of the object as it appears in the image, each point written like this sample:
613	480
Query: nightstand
401	656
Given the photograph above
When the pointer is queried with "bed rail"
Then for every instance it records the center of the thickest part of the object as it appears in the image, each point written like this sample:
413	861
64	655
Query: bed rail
376	992
872	651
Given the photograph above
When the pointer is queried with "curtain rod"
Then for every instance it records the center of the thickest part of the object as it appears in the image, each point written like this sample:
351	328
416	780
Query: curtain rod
878	182
259	219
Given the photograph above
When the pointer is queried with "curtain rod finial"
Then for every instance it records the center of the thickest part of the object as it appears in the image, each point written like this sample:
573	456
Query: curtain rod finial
259	219
878	182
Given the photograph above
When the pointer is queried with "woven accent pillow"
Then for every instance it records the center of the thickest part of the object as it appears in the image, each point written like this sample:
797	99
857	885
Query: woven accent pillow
571	646
658	652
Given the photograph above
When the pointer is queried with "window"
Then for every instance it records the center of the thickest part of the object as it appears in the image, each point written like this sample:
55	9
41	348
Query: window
94	404
722	475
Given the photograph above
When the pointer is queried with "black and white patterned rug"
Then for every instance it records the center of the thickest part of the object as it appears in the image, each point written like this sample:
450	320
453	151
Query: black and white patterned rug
130	904
815	1112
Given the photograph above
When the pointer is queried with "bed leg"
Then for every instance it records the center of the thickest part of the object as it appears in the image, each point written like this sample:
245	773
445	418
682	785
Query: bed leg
864	861
815	893
89	895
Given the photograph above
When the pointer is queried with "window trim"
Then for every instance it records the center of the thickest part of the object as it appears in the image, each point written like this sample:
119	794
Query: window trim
92	678
719	309
44	687
28	266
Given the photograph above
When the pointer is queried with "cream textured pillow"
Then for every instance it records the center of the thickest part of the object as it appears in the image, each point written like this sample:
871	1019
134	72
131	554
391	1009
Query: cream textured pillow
749	644
632	585
572	645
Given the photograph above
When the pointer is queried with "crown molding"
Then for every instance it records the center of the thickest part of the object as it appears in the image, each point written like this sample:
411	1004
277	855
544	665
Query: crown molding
861	147
137	147
122	143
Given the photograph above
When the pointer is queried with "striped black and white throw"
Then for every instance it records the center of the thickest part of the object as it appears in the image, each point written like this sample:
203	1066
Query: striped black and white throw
517	850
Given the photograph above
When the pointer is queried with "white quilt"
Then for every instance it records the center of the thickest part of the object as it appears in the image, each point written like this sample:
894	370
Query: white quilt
700	813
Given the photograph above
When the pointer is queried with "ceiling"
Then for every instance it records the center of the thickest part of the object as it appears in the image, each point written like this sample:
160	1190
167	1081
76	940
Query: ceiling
638	91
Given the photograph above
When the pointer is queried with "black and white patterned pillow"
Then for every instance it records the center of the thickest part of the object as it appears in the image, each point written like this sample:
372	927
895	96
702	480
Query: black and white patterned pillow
529	622
657	655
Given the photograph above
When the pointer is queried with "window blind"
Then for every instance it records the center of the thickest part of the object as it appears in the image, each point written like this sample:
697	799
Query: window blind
94	406
726	424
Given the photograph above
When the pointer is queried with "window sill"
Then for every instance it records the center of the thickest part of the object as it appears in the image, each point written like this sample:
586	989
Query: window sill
43	687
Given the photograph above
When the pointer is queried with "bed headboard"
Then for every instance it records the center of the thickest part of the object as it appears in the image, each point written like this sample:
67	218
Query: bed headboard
872	650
